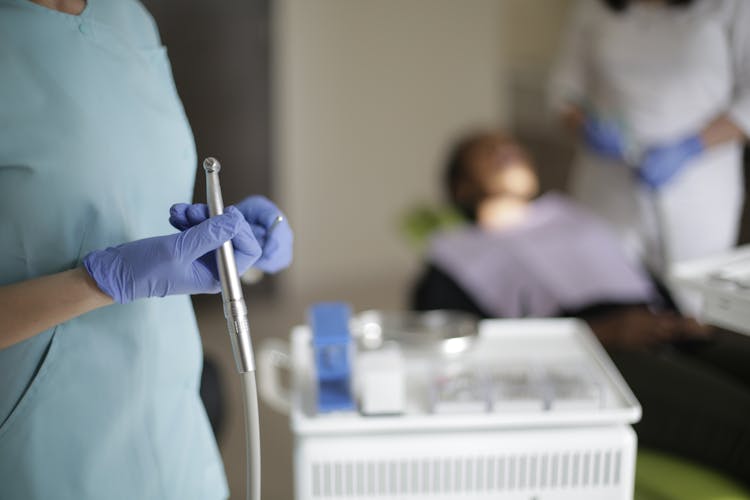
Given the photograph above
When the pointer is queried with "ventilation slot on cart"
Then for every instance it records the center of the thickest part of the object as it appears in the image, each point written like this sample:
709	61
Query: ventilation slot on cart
576	469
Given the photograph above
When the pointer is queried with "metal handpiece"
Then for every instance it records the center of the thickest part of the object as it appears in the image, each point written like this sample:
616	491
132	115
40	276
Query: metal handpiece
235	310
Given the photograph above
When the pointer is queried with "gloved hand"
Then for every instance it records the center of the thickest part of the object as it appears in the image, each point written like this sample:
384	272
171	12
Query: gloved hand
662	163
260	213
181	263
604	137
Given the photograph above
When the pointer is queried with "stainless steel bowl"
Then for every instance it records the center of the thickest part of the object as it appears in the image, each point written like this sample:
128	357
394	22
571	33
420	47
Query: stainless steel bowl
447	332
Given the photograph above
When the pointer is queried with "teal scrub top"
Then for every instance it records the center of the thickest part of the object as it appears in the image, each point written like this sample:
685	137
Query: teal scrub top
94	148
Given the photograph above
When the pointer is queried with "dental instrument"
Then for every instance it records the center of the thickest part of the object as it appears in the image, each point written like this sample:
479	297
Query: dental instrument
235	312
278	220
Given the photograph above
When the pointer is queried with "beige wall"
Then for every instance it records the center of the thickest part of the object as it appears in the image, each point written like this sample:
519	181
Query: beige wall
531	32
368	94
531	39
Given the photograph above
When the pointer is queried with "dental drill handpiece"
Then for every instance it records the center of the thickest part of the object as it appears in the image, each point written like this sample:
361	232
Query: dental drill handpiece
235	310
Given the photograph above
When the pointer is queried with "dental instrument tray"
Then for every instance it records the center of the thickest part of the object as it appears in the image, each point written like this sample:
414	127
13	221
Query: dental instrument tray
534	348
522	409
724	283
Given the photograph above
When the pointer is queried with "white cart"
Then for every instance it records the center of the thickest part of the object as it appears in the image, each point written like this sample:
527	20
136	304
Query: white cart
724	283
565	452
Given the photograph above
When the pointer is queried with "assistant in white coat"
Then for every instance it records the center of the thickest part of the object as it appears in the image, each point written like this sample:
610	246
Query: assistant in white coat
661	73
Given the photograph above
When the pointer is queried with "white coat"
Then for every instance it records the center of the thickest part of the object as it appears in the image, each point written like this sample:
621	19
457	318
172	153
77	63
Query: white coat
665	73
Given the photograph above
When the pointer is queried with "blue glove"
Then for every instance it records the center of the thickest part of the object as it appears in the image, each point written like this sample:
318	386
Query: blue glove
261	214
604	137
662	163
181	263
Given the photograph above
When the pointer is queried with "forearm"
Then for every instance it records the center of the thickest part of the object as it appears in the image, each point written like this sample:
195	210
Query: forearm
33	306
719	131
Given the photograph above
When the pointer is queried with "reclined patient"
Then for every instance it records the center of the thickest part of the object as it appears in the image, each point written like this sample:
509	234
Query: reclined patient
524	256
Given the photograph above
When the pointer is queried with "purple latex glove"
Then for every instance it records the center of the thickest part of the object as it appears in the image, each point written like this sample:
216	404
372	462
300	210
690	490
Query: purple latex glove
181	263
261	214
662	163
604	137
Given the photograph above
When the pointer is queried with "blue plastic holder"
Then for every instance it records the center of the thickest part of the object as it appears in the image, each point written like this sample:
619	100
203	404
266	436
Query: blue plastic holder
332	344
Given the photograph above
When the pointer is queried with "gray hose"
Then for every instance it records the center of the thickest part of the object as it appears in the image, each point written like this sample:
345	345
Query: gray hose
252	435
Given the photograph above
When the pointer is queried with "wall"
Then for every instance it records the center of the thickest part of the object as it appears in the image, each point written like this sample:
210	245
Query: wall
367	96
222	76
531	32
531	38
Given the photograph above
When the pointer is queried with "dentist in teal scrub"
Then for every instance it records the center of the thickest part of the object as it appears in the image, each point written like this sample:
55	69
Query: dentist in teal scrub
100	356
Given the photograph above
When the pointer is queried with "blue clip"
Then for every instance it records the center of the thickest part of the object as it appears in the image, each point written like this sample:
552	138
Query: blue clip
331	342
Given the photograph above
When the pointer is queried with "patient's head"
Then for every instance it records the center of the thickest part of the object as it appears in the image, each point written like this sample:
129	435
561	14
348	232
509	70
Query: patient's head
489	167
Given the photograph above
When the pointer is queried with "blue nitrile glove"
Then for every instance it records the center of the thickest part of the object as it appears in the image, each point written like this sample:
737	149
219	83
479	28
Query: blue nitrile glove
260	213
604	137
662	163
181	263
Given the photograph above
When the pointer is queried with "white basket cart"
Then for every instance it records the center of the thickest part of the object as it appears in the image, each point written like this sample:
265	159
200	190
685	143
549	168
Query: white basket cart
724	284
563	452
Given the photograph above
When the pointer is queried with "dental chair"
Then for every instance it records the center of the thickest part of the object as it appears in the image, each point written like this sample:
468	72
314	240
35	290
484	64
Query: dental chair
659	476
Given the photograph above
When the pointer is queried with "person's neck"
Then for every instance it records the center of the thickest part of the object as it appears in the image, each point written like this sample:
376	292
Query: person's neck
74	7
502	212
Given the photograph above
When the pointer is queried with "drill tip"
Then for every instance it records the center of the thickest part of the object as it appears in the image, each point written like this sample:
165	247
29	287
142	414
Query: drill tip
278	220
211	164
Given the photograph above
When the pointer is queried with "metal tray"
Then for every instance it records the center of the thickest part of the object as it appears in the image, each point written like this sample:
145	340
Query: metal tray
445	332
